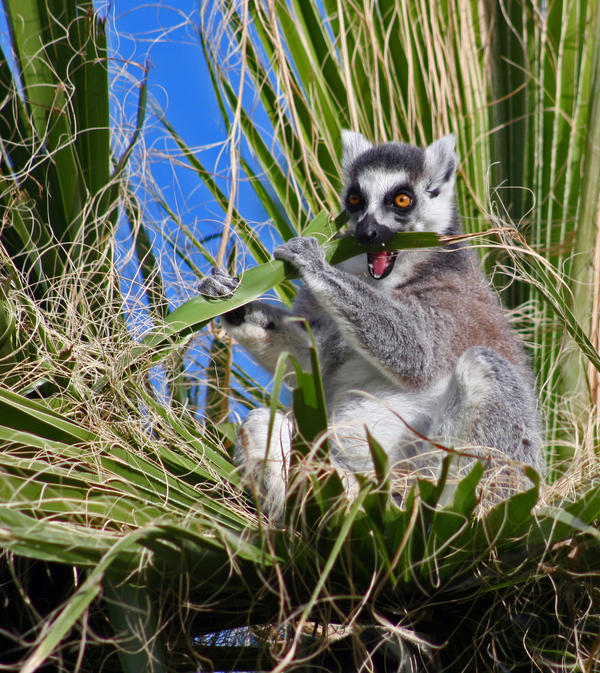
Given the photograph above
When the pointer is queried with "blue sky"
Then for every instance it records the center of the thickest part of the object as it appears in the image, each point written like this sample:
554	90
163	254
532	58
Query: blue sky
163	35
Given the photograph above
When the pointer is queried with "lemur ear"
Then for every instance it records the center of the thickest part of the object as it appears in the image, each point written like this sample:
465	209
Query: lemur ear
353	145
441	161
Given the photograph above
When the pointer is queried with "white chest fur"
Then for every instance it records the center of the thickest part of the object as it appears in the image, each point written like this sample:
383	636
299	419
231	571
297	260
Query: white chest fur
360	399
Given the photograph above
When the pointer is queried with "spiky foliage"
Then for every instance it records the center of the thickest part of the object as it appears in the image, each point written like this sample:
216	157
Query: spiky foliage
127	542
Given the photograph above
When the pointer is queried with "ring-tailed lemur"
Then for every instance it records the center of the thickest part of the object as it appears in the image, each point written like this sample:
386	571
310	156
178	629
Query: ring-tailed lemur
409	340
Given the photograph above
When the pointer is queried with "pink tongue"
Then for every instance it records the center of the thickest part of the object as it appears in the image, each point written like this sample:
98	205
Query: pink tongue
380	262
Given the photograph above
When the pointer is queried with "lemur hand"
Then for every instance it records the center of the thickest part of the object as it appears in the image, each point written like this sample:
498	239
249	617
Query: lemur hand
220	285
303	252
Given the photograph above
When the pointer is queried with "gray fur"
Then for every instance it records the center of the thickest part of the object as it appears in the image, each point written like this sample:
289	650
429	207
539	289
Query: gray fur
427	348
219	284
353	145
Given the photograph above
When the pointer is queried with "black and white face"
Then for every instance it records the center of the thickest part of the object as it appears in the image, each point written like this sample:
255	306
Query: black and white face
393	188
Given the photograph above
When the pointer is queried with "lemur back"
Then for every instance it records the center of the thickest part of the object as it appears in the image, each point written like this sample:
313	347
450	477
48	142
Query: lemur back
412	344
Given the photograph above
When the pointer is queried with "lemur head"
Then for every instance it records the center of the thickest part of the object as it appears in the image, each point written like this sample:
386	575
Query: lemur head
396	187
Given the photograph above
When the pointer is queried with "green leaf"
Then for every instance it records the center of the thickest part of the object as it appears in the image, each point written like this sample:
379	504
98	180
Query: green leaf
25	416
508	520
195	313
27	21
134	622
78	603
310	409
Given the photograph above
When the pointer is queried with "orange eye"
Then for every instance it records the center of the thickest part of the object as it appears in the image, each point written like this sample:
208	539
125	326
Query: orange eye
354	199
402	200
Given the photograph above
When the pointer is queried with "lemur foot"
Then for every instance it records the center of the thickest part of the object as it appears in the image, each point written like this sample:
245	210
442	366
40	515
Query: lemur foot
262	458
221	285
303	252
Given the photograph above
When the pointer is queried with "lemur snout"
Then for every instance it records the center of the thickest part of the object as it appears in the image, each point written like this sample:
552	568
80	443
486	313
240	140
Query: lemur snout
370	232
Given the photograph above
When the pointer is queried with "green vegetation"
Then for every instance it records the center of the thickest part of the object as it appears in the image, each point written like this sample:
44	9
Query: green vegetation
126	543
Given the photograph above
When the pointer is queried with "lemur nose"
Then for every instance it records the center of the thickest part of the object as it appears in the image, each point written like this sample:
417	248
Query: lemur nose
366	229
369	231
369	235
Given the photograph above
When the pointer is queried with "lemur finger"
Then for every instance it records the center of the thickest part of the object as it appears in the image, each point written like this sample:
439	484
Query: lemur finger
219	284
302	251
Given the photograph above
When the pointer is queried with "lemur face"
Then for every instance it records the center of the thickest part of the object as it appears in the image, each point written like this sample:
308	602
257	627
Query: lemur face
396	187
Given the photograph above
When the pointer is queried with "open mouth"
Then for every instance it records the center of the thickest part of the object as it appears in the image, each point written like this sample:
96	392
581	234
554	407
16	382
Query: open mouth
381	263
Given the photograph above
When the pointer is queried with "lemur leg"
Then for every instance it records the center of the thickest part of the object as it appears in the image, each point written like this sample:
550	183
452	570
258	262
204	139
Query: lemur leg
262	457
263	460
487	404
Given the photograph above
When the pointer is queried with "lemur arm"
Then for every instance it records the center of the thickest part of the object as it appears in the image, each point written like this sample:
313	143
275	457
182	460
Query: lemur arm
265	331
392	336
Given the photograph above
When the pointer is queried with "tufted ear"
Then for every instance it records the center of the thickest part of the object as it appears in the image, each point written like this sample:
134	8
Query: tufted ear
441	161
353	145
